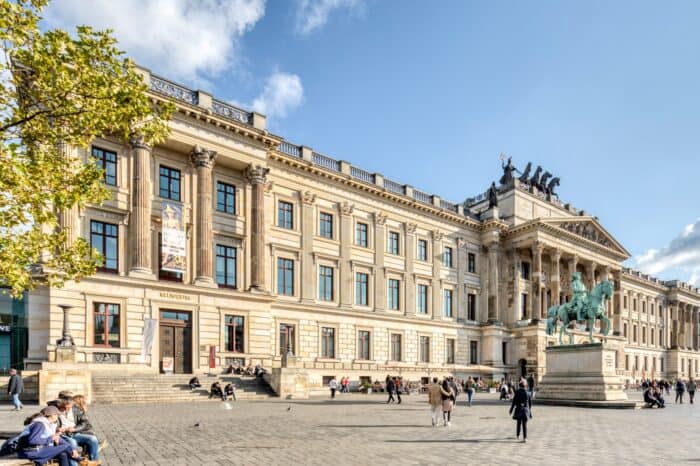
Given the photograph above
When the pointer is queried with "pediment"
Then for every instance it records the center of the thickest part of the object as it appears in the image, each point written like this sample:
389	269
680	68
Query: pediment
589	229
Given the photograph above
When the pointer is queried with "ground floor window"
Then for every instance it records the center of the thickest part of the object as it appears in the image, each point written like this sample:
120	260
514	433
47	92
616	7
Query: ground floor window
473	352
328	342
287	338
363	346
450	351
106	325
396	347
234	336
424	349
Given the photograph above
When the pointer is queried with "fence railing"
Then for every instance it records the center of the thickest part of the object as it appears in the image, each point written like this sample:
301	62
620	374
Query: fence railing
448	205
326	162
229	111
394	187
170	89
362	175
422	197
290	149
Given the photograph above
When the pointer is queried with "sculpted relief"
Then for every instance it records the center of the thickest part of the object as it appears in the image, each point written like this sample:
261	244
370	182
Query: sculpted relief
588	231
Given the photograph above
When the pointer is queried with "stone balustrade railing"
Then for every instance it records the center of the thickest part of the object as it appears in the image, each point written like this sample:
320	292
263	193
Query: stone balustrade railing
170	89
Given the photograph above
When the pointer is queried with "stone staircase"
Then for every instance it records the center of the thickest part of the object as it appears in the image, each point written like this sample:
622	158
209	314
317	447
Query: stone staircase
161	388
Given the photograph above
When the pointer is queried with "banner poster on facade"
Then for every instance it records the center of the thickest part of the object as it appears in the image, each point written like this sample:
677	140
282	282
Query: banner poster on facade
149	332
173	238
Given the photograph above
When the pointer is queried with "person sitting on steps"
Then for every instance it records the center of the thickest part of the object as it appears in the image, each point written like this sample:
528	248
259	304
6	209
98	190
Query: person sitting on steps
216	390
194	383
230	391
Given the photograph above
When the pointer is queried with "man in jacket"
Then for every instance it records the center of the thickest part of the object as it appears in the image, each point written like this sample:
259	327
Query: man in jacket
15	387
390	388
692	386
435	393
680	390
76	429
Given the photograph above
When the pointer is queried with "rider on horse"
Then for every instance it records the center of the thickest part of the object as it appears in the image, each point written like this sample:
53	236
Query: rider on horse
579	295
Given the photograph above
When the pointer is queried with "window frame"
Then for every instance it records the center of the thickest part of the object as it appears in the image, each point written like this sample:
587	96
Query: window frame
293	346
471	307
325	225
285	216
226	259
230	331
224	207
422	298
362	234
447	256
104	238
324	343
106	333
102	162
326	279
170	178
392	352
423	357
282	272
393	244
422	250
393	293
447	303
471	262
450	350
360	348
473	352
362	287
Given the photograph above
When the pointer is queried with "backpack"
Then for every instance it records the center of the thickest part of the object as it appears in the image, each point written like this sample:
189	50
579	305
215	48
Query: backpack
10	446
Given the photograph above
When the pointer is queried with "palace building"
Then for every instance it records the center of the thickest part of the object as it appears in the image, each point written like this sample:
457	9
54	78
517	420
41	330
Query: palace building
231	244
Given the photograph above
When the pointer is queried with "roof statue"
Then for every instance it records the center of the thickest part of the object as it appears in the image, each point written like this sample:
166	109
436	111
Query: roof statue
524	177
508	169
493	195
550	187
543	181
535	180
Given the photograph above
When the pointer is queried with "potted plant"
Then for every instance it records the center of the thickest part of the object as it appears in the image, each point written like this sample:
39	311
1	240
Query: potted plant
366	387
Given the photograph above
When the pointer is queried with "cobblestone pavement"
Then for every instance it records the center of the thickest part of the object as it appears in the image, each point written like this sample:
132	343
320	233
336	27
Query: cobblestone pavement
362	429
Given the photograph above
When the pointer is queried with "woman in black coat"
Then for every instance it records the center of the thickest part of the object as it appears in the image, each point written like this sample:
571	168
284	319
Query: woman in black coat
522	404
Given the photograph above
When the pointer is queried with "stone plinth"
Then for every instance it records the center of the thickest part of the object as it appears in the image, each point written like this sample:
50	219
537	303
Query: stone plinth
52	381
582	375
289	383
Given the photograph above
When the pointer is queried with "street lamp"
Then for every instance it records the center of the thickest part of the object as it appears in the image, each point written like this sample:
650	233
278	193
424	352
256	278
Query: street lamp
67	340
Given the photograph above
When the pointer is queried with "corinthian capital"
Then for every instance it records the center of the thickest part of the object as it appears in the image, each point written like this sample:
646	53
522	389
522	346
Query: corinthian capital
138	141
202	157
257	174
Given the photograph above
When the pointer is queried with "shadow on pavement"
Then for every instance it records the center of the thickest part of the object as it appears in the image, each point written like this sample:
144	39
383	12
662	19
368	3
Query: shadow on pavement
475	440
372	426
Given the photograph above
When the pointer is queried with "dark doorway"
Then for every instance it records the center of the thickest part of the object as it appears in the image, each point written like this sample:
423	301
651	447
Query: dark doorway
176	340
523	367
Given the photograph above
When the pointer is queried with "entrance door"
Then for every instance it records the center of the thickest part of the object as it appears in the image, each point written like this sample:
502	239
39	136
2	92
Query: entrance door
175	330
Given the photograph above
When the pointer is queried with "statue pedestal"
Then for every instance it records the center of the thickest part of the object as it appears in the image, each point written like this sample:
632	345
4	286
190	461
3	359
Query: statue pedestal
583	375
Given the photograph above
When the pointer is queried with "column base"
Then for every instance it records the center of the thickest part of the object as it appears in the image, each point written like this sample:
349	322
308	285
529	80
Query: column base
205	282
139	272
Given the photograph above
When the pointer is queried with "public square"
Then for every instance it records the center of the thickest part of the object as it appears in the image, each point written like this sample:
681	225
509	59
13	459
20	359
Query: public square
362	429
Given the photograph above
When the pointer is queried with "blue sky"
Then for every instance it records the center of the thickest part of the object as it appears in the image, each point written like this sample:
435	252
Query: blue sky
604	95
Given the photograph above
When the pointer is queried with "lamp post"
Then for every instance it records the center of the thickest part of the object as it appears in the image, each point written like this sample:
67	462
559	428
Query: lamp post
67	340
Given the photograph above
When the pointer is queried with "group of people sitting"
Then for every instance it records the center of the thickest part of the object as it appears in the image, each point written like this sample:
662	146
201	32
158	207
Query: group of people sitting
653	395
229	391
257	371
57	433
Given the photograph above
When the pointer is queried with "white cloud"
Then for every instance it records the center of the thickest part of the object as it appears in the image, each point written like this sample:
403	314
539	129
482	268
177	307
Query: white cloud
682	254
181	39
282	93
313	14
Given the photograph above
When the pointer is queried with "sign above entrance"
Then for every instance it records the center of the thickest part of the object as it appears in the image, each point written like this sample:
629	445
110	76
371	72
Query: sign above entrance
173	245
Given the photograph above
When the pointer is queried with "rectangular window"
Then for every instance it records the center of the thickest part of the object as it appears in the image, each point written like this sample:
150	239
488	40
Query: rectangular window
285	215
361	288
393	294
422	299
624	302
644	306
471	306
525	270
363	345
504	351
471	262
325	283
651	308
225	198
523	305
661	311
634	333
627	362
361	235
105	238
169	183
634	304
624	330
447	257
424	349
450	351
447	303
285	277
325	226
396	347
234	338
661	337
287	338
422	250
107	161
106	325
651	336
393	243
328	342
644	335
226	266
473	352
166	274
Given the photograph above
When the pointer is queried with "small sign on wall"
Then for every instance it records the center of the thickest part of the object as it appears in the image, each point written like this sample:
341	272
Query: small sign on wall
168	364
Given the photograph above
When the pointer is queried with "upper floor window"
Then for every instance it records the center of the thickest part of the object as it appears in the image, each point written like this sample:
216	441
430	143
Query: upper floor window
107	161
361	285
393	243
393	294
525	270
325	283
225	198
234	334
105	238
422	250
169	183
325	227
361	235
471	262
473	352
422	299
285	276
447	257
624	302
471	306
447	303
634	304
106	325
226	266
285	215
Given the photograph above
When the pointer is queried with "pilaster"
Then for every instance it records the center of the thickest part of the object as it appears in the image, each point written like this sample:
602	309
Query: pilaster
346	278
203	161
380	283
140	221
257	176
308	274
436	304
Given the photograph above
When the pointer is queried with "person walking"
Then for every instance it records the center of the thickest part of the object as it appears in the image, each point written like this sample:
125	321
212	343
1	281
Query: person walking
15	387
680	390
469	388
397	387
521	409
333	385
390	388
448	402
435	394
692	386
531	385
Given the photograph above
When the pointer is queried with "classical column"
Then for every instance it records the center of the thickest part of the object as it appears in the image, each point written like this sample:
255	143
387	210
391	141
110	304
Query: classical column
380	283
555	257
493	253
517	292
140	219
617	302
536	313
573	262
308	274
410	288
461	308
590	275
69	219
674	324
436	305
346	278
203	161
257	175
